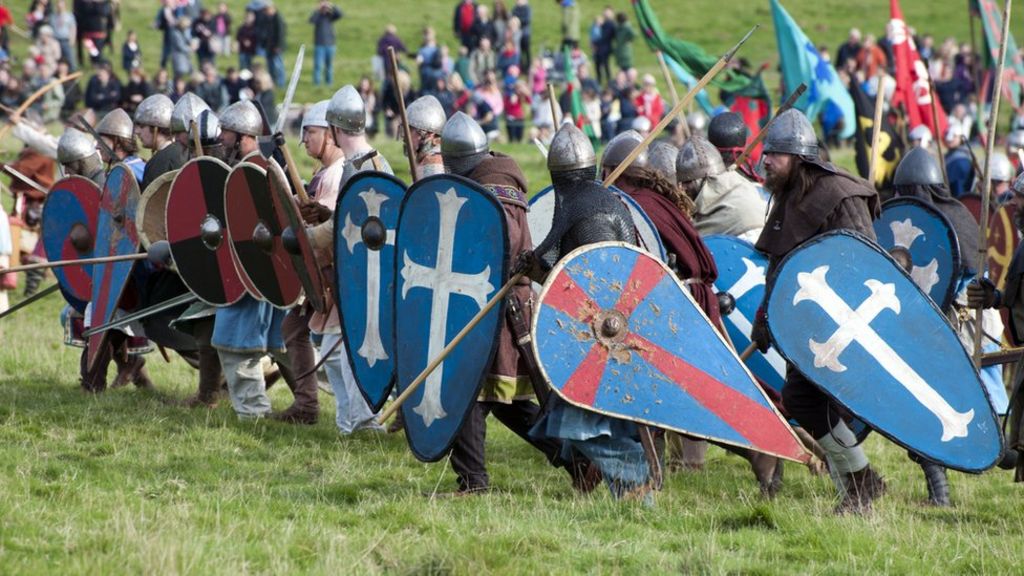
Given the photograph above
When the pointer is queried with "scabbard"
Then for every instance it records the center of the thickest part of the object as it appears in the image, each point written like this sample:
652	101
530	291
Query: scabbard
521	332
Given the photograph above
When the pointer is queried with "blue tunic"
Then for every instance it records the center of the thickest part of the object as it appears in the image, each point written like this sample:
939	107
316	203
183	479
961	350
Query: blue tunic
248	326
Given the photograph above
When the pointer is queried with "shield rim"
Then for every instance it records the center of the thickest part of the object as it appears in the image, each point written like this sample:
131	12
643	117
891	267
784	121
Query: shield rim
288	204
144	199
99	193
950	294
101	339
359	176
870	424
227	168
242	273
490	197
557	269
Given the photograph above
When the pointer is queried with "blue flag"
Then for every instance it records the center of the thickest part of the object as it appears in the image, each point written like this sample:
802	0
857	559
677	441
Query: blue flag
802	63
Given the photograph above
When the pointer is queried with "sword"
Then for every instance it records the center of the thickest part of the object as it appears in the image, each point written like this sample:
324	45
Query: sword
25	179
30	300
290	93
186	298
99	141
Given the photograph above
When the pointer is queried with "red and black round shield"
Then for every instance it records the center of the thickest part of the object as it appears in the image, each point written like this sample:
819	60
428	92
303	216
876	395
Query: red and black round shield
197	232
255	233
69	232
303	259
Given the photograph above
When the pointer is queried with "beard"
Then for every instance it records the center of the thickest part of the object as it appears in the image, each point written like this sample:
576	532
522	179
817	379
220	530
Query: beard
776	182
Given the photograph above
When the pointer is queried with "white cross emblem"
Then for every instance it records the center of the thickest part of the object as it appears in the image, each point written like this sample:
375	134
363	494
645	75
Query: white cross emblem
855	326
752	278
443	282
904	234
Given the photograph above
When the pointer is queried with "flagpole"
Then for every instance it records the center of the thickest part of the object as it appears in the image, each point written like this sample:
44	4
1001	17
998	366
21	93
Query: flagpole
938	137
876	128
986	197
672	89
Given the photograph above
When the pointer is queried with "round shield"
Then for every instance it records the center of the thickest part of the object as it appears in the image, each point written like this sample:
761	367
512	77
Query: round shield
973	204
922	240
1002	243
303	259
196	232
615	332
150	215
116	235
542	213
69	232
255	234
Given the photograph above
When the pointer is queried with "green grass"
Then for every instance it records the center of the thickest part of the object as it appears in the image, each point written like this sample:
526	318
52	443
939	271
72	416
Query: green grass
125	483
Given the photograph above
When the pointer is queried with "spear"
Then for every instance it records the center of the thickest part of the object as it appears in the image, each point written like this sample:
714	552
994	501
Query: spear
986	196
25	179
78	262
406	129
722	63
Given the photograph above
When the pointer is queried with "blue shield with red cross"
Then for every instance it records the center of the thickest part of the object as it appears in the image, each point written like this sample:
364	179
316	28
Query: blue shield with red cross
115	236
69	231
365	220
617	333
451	252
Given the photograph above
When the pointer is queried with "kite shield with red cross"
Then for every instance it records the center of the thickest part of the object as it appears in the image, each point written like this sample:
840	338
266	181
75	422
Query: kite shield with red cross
618	334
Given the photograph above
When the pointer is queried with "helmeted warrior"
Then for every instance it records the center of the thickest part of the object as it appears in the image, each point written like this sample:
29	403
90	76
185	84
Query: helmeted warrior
507	391
240	126
724	201
153	127
426	121
959	166
118	133
346	114
1001	173
185	111
1015	142
811	197
585	213
729	133
697	122
661	155
920	137
77	155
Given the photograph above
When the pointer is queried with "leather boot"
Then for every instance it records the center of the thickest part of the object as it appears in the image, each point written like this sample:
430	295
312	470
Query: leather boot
938	484
768	471
860	489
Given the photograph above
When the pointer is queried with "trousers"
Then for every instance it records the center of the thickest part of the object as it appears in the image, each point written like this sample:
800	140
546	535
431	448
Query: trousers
246	386
295	331
353	413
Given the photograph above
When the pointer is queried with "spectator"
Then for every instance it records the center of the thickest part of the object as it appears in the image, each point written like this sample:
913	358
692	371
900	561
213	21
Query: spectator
570	24
604	46
390	39
263	92
959	167
38	14
52	101
462	66
248	39
585	80
462	23
484	28
234	84
179	90
871	57
48	47
135	90
5	24
538	78
323	19
501	20
543	121
592	111
481	60
222	30
202	37
93	17
524	13
429	60
65	31
181	47
369	96
13	94
849	50
72	91
275	44
490	92
649	103
131	52
212	89
445	96
515	113
609	114
509	58
103	92
481	111
627	107
389	99
165	21
623	44
162	82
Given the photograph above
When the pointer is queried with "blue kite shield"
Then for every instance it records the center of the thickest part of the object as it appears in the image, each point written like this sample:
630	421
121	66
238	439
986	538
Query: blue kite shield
365	219
452	251
741	273
845	314
922	240
69	221
542	215
617	333
116	235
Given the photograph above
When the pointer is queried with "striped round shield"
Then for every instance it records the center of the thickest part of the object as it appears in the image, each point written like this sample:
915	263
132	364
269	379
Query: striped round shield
71	211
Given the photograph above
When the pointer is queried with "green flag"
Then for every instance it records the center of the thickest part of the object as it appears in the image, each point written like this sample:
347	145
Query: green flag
579	115
992	23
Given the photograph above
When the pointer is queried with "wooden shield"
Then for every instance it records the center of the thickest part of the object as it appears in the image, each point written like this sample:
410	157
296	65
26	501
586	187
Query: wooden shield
303	260
150	217
72	205
196	199
116	235
1002	243
255	234
973	204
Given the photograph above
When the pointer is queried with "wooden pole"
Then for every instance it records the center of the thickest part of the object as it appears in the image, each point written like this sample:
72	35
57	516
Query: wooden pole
938	137
671	88
986	196
556	112
79	262
406	130
748	352
391	409
293	172
876	129
197	142
789	103
722	63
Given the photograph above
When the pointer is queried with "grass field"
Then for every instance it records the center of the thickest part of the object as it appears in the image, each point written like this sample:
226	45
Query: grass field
123	483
